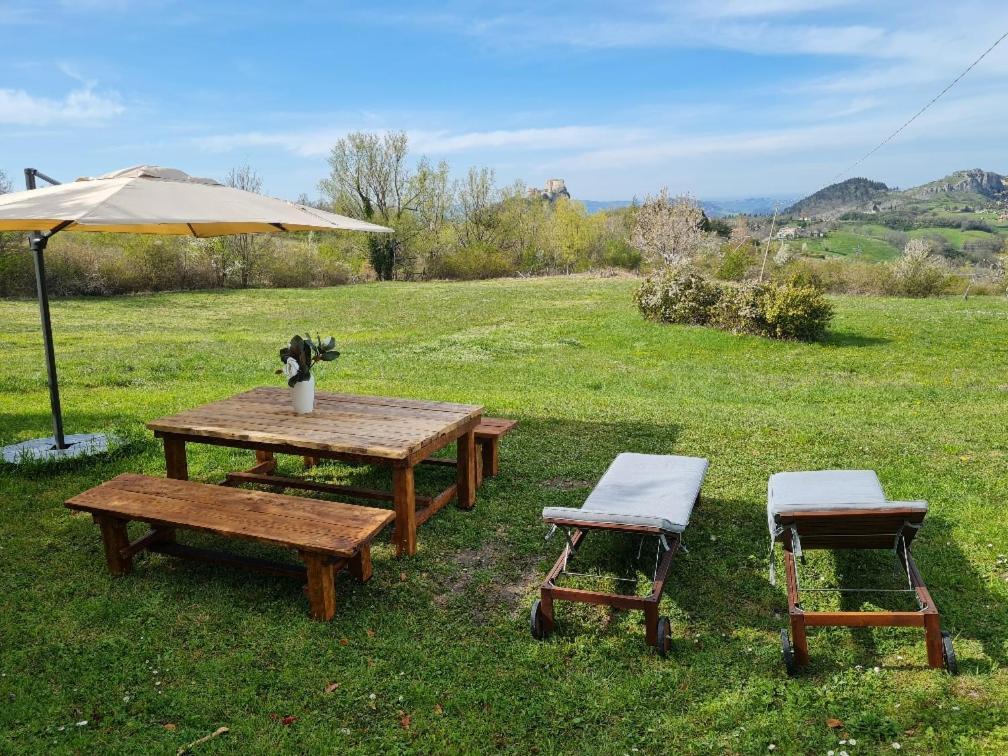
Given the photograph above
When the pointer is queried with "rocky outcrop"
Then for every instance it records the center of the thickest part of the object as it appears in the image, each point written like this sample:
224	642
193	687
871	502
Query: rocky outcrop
976	180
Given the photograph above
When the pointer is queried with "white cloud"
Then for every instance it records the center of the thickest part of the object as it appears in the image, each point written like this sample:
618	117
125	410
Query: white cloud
80	106
318	142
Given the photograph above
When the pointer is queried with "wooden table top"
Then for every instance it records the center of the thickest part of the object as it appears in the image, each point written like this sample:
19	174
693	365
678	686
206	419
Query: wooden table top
371	426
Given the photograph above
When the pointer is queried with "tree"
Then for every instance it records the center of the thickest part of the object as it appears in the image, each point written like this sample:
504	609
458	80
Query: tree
669	231
369	177
242	252
740	233
476	195
5	184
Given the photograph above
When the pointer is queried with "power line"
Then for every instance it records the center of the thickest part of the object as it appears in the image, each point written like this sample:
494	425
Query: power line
933	100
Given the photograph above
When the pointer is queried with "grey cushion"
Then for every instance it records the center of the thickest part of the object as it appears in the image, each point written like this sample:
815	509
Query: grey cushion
829	489
654	490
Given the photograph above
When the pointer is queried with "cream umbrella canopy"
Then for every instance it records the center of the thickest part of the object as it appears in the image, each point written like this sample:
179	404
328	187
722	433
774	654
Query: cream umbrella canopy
140	200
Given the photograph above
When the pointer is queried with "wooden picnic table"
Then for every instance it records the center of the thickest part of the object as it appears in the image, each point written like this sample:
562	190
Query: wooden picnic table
375	430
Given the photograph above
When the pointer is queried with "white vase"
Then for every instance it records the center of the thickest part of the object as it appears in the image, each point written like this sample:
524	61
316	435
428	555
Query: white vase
303	396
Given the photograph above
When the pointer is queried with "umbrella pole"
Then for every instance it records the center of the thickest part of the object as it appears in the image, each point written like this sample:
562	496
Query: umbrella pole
38	245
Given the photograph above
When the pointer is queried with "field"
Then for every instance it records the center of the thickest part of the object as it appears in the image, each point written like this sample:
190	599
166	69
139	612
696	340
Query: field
868	240
434	654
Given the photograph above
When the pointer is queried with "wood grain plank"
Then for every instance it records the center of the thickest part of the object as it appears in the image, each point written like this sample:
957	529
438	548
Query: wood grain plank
383	427
254	515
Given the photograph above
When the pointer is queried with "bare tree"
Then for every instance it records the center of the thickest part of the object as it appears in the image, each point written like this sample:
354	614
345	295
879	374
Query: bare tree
242	252
477	196
5	184
370	177
669	231
740	232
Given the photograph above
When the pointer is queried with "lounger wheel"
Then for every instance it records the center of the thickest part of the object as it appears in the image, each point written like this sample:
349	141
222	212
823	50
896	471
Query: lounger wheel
536	624
787	654
663	639
948	654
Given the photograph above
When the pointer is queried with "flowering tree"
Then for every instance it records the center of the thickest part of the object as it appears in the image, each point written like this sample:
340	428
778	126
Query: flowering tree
668	230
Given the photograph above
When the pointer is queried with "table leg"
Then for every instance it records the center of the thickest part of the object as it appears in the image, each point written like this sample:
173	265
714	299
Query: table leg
262	455
175	458
466	470
404	492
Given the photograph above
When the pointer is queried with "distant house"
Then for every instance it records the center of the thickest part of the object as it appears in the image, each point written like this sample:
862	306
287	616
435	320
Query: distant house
788	232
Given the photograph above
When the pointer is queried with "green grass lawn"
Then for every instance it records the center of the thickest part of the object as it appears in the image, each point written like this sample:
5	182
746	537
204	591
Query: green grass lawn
434	654
956	237
843	243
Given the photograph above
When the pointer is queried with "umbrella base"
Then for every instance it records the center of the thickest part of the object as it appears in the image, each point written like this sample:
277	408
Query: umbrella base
44	449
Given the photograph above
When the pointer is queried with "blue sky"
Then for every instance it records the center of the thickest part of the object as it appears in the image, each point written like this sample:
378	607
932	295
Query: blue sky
718	99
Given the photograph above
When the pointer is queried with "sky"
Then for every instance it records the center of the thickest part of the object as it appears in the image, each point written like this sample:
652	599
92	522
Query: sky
729	99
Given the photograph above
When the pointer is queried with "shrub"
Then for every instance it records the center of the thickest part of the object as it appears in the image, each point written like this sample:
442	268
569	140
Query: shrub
735	262
740	309
917	273
473	262
795	311
677	294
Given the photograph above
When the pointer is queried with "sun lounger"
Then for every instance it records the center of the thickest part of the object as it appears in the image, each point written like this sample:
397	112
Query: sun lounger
640	494
847	509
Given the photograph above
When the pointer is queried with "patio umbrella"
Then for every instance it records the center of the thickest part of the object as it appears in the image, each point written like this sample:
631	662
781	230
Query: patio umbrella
140	200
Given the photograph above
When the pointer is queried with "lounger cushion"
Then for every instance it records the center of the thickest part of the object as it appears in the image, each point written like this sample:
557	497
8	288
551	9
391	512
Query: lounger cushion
829	489
651	490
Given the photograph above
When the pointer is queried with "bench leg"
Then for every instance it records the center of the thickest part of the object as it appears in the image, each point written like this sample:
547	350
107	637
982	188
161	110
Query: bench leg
490	456
116	539
360	564
321	585
465	471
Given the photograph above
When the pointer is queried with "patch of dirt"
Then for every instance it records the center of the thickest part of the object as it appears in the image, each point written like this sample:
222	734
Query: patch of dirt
503	590
566	484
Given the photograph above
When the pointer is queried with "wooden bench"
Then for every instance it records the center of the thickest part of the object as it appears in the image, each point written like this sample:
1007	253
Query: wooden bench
328	536
488	435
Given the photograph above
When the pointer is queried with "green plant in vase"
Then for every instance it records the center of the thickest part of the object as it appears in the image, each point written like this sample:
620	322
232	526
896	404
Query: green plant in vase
298	358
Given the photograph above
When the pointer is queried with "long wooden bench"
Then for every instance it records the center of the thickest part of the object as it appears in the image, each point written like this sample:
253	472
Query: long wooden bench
328	536
488	435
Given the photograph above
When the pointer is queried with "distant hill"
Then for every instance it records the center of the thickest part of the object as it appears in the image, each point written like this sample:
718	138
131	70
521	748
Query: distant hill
836	199
595	206
714	208
974	187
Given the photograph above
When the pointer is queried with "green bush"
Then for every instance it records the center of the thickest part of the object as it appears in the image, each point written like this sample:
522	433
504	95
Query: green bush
475	261
741	308
795	309
677	295
917	273
735	262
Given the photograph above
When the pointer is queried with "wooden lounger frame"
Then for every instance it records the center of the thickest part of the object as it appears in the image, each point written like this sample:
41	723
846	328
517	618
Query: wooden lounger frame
550	592
857	529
